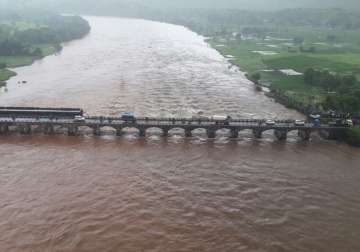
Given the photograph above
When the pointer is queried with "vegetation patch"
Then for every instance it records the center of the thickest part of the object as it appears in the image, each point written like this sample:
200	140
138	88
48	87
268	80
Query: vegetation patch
353	136
27	36
302	62
5	74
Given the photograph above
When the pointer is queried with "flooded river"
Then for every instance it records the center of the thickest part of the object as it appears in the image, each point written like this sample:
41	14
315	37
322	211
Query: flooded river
106	193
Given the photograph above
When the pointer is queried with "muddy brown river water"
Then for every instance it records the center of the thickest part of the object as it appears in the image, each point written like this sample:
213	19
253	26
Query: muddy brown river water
87	193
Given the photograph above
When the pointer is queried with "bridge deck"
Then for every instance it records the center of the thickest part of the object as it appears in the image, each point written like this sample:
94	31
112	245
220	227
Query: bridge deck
168	123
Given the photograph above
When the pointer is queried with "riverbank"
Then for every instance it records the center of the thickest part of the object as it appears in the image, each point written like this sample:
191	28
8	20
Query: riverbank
19	61
5	75
279	64
280	48
31	36
24	60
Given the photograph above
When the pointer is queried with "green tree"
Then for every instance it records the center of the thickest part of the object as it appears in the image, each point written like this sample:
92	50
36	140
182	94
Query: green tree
37	52
309	76
349	80
353	136
256	77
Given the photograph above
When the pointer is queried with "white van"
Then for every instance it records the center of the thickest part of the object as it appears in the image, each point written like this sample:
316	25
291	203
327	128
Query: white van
79	118
221	119
349	123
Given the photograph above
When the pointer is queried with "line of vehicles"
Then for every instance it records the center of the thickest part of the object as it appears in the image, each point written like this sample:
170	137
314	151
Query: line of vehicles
77	115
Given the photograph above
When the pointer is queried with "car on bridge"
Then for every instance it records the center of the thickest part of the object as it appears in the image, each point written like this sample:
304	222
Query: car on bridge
270	122
299	123
79	118
221	119
349	123
342	122
128	117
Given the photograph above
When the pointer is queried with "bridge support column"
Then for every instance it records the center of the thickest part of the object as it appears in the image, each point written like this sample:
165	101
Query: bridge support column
188	133
25	129
49	129
165	132
97	131
142	132
72	130
281	134
304	134
211	133
119	132
333	134
234	133
257	133
4	129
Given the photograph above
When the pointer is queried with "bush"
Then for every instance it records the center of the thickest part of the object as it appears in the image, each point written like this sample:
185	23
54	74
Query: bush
255	77
353	136
2	65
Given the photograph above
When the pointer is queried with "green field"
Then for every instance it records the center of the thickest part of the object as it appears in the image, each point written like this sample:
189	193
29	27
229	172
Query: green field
5	74
339	57
16	61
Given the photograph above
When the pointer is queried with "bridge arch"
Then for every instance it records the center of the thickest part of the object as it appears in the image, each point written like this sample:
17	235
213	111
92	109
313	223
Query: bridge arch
155	130
267	133
199	131
108	129
129	130
223	132
177	131
246	132
85	129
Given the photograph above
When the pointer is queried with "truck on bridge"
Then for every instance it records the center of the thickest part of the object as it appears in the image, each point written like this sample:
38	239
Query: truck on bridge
40	112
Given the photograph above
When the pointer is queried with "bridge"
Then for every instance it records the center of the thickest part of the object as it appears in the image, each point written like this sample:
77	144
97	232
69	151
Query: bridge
281	128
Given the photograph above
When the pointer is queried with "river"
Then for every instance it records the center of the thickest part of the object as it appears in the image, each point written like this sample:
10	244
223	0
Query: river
87	193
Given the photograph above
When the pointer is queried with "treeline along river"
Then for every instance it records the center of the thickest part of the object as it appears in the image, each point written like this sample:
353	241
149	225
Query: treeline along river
60	193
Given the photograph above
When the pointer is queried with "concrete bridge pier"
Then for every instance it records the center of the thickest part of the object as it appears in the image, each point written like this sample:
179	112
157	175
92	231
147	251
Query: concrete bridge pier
234	133
97	131
304	134
142	132
4	129
188	133
119	132
211	133
328	134
333	134
73	130
257	133
165	133
25	129
49	129
281	134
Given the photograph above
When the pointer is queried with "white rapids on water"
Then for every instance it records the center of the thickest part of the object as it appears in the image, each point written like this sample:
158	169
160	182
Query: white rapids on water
147	67
111	194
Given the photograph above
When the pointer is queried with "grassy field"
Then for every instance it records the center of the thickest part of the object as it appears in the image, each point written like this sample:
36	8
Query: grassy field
15	61
277	51
5	74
